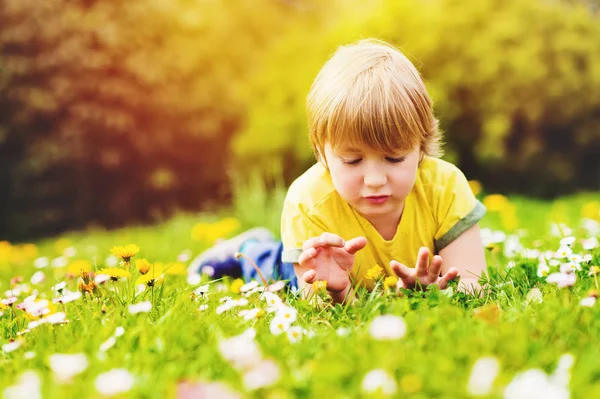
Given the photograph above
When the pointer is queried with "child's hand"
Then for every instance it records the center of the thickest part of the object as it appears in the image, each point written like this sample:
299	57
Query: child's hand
329	258
423	274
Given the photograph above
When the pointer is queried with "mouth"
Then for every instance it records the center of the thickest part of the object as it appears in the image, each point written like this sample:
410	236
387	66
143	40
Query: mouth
377	199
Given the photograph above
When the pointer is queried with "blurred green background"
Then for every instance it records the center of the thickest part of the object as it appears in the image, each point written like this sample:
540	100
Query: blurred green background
117	112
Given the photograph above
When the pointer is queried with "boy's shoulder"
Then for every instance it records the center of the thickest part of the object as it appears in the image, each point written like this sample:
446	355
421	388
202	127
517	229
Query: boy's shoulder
312	187
435	171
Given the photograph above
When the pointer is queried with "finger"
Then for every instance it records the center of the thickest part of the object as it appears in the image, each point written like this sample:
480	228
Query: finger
307	255
451	275
355	245
422	262
310	243
401	271
309	276
435	268
330	240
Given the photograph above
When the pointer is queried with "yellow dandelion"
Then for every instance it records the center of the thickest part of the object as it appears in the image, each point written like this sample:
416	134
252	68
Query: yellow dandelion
236	285
411	383
390	282
126	252
591	210
3	306
475	187
176	269
142	265
488	313
154	275
374	273
115	273
30	251
319	286
61	244
495	202
76	267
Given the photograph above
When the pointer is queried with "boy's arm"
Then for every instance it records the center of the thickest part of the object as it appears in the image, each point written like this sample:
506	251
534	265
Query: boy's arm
466	253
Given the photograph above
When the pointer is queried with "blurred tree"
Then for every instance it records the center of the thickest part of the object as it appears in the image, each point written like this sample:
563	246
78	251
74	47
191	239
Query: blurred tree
113	112
516	85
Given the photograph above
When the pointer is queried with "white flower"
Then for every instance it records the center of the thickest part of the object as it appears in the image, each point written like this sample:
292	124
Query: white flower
70	252
342	331
184	256
264	374
38	277
276	286
67	366
194	278
202	308
12	346
41	263
535	295
230	304
587	258
590	243
119	331
68	297
563	252
387	327
250	314
483	374
567	241
29	355
114	381
249	286
56	318
562	279
534	384
295	334
203	289
111	261
101	278
589	301
512	246
142	307
29	386
59	287
591	226
109	343
273	301
379	380
61	261
279	325
241	351
542	269
287	313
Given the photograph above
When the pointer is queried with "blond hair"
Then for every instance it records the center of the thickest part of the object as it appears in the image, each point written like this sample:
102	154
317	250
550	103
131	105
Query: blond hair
370	94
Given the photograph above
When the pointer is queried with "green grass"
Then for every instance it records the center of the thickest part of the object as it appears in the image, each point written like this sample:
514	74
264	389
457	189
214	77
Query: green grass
176	342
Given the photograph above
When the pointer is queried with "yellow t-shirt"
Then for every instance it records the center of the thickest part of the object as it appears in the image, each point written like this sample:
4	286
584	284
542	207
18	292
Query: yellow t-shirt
440	207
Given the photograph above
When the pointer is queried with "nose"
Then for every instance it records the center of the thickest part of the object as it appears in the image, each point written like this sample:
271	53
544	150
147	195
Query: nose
375	177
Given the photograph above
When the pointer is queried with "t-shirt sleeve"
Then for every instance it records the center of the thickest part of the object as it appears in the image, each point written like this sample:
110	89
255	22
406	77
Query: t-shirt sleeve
297	227
457	209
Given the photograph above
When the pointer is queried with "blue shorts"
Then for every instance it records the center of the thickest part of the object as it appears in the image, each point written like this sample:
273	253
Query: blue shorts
267	256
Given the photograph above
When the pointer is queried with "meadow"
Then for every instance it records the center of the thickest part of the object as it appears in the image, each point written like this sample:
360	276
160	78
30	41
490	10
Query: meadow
79	318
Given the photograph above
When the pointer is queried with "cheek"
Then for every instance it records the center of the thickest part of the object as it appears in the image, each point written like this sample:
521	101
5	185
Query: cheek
346	182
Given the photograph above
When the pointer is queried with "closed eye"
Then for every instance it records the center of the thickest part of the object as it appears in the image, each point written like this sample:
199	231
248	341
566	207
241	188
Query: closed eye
395	160
352	162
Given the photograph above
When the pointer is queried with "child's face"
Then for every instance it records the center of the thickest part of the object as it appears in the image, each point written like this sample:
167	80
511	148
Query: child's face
373	183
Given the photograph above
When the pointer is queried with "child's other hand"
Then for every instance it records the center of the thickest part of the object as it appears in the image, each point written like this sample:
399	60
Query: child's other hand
329	257
423	274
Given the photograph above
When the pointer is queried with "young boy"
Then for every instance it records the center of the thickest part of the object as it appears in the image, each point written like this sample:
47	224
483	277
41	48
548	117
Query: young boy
378	194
